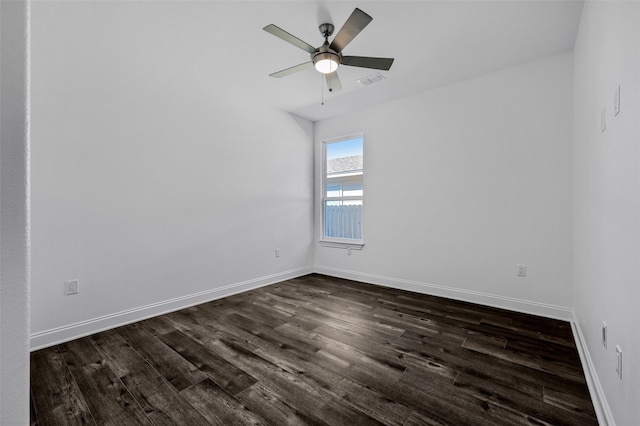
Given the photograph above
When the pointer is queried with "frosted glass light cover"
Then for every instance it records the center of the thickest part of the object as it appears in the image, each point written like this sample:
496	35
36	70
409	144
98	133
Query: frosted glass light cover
326	66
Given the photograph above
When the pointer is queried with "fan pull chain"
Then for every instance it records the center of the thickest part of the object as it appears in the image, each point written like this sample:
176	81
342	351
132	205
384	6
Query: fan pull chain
322	89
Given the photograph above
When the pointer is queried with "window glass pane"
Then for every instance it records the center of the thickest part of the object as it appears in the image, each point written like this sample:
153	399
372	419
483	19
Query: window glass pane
333	190
353	189
343	221
344	158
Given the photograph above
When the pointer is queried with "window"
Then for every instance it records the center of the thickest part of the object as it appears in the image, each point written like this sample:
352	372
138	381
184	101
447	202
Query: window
342	194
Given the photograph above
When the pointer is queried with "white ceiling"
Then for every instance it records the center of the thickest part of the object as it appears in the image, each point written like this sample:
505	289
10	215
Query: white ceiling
434	43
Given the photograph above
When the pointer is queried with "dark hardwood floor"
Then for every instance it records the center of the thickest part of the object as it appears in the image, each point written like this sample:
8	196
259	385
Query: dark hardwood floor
318	350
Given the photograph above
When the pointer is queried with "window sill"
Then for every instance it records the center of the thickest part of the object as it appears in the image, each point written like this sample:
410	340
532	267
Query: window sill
343	244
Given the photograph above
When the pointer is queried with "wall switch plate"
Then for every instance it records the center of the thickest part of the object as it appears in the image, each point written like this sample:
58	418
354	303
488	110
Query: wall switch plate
604	334
277	252
616	101
522	270
619	364
71	287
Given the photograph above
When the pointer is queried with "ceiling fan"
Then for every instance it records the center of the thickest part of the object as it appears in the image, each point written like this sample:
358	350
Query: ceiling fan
328	57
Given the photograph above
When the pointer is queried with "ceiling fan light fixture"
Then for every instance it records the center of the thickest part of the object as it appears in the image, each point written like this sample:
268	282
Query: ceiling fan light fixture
326	63
327	58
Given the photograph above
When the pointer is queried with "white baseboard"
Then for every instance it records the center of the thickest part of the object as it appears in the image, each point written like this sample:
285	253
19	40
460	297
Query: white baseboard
509	303
69	332
600	404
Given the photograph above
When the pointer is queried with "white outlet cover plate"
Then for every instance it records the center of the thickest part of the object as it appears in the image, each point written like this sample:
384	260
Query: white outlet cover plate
619	360
522	270
71	287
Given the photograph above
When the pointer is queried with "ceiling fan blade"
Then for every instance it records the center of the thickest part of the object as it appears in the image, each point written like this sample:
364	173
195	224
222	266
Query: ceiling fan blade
333	82
293	69
356	23
280	33
367	62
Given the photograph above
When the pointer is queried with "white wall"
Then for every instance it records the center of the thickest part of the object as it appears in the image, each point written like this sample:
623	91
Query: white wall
153	182
462	184
607	198
14	206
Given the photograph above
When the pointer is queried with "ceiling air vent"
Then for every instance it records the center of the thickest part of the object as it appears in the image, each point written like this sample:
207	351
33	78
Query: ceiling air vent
371	79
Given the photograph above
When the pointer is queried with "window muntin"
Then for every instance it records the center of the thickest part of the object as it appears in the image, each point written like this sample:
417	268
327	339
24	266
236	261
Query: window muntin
343	190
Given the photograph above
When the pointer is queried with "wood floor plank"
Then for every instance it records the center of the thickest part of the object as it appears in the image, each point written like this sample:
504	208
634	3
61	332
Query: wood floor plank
533	361
203	331
446	405
224	374
121	357
200	322
177	370
418	325
362	399
161	401
269	406
265	333
218	407
575	401
178	412
326	338
289	386
33	417
356	348
55	393
157	325
349	318
490	391
374	403
108	399
474	362
338	412
263	314
484	344
548	350
321	351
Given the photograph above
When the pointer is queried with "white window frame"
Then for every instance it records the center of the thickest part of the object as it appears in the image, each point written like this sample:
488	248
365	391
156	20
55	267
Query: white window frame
345	243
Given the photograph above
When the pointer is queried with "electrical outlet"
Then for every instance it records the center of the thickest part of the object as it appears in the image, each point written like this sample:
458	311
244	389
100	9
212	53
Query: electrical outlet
71	287
522	270
277	252
604	334
348	251
619	364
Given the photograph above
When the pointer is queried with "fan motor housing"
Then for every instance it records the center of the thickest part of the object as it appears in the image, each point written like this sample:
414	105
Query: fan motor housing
325	52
